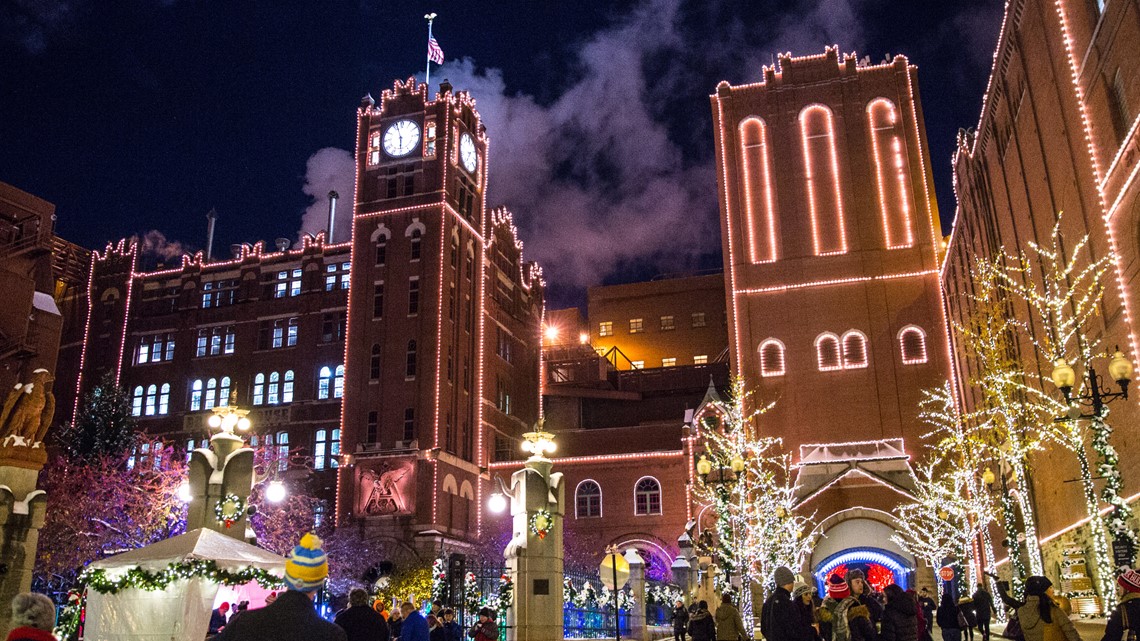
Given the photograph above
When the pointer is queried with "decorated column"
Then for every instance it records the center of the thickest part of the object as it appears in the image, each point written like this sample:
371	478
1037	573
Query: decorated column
221	478
535	553
637	627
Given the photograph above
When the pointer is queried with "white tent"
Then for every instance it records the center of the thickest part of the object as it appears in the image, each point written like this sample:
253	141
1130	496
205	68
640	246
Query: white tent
181	612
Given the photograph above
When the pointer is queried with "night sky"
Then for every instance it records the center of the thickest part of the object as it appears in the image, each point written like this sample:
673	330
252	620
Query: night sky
138	116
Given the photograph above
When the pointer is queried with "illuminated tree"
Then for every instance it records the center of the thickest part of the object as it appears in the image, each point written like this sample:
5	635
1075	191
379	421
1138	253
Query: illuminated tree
104	426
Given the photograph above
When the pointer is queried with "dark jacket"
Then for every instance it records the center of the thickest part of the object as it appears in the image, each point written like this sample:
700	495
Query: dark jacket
394	626
871	602
900	620
928	607
437	633
415	628
859	622
217	621
452	631
680	619
729	625
1129	604
947	615
362	623
781	620
488	630
290	618
701	626
983	606
966	605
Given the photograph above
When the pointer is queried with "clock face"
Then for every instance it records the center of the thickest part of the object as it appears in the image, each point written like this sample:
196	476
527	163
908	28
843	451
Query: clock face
401	138
467	152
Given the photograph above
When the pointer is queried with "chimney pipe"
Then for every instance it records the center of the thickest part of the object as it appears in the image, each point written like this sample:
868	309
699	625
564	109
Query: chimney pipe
332	215
211	216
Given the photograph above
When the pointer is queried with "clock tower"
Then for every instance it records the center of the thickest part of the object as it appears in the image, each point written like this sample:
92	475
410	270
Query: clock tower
412	416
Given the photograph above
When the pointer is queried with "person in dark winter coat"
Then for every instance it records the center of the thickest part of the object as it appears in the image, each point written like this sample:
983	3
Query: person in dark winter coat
415	626
803	598
833	619
928	606
359	621
780	619
395	624
966	607
680	620
900	617
860	624
701	625
948	617
861	591
485	629
292	615
452	631
983	610
1126	616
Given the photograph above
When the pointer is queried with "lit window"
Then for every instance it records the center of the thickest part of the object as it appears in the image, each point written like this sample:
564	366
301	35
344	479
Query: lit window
272	396
164	399
912	343
137	401
143	353
668	362
701	359
203	340
606	328
338	382
698	319
890	172
295	283
259	389
189	449
207	295
282	451
211	394
588	500
293	328
278	333
196	395
319	449
636	326
817	130
854	350
637	364
647	497
772	358
410	365
827	352
287	387
667	323
757	179
224	392
230	338
324	383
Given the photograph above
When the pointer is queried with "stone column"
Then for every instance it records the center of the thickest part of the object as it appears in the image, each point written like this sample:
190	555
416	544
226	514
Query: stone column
534	562
637	625
683	568
226	468
22	511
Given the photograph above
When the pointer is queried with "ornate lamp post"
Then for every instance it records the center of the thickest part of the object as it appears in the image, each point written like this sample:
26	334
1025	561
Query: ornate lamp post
724	479
221	477
1097	399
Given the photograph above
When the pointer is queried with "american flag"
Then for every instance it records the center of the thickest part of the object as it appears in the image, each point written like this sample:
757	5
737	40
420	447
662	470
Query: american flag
435	54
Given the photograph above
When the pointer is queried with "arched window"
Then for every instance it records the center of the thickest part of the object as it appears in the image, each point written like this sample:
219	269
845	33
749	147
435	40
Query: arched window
324	382
374	363
211	394
164	399
137	401
338	382
647	497
827	352
758	197
259	389
854	350
415	243
771	358
195	395
273	388
821	166
410	367
588	500
912	344
224	392
287	387
890	172
151	400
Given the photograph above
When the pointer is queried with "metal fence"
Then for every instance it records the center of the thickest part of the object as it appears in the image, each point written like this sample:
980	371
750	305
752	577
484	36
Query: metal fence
659	602
585	613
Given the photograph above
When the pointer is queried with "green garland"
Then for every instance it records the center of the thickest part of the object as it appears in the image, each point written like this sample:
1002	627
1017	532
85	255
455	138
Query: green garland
67	627
228	518
96	579
506	594
541	532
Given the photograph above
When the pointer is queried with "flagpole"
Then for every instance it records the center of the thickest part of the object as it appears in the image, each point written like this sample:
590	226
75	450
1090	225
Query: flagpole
427	73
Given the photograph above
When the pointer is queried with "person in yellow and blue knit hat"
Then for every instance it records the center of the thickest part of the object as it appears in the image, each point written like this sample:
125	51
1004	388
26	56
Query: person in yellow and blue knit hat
292	615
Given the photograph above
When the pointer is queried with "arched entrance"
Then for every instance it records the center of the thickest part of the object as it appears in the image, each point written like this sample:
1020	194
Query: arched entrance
881	567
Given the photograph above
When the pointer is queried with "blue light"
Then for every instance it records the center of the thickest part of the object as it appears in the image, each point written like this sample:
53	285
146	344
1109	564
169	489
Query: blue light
900	571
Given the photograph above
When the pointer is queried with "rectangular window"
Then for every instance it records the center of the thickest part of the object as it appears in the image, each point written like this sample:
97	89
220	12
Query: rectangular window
378	301
291	335
413	296
668	362
698	319
144	353
667	324
637	364
606	328
320	448
373	427
203	339
429	139
281	289
278	333
282	450
503	449
636	326
381	251
332	327
701	359
409	423
295	282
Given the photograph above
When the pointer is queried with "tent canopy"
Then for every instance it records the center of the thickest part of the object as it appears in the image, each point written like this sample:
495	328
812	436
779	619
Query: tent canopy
229	553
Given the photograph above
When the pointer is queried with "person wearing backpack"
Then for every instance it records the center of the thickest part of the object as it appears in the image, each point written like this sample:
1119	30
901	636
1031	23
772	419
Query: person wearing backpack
1124	623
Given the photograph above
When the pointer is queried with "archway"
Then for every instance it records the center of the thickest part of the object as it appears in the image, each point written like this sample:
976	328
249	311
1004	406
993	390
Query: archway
860	538
881	567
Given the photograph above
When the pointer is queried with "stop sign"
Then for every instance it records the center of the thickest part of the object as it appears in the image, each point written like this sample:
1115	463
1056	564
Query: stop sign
946	573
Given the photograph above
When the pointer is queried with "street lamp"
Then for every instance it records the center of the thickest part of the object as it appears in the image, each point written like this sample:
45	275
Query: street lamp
1064	377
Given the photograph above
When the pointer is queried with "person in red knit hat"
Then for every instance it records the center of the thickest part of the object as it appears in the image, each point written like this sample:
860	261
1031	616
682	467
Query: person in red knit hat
832	613
1126	616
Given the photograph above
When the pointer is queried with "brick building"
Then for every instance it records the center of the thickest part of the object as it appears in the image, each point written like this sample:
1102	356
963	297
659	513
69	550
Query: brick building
830	235
1058	132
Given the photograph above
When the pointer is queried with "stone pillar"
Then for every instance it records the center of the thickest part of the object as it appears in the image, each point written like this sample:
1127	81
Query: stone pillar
534	562
682	568
22	511
705	588
637	626
225	468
